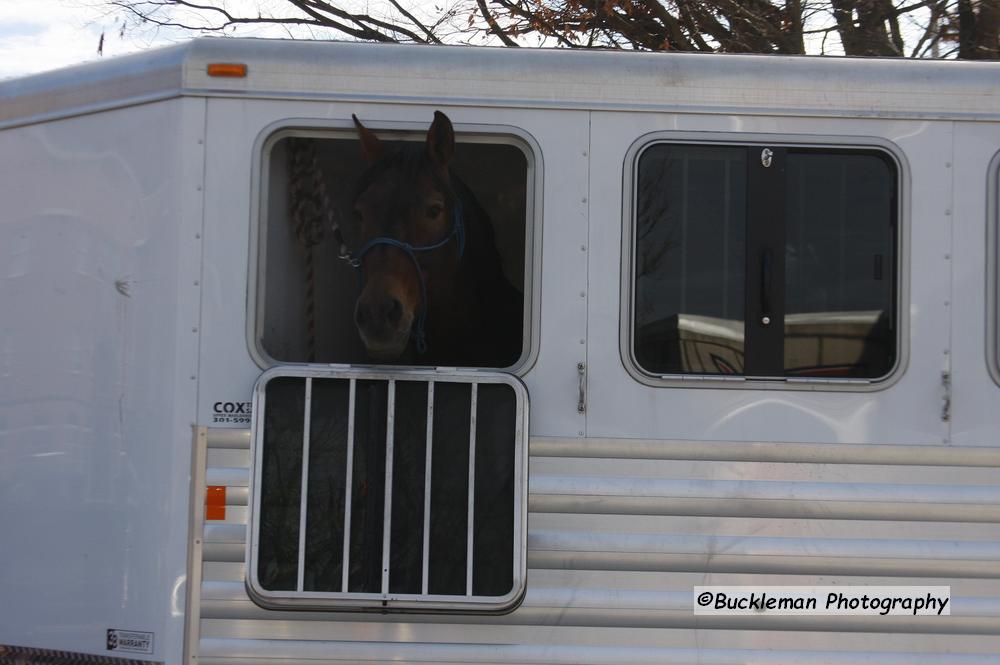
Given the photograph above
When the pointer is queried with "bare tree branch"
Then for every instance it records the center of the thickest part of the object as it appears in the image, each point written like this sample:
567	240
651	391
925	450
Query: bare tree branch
915	28
494	26
431	37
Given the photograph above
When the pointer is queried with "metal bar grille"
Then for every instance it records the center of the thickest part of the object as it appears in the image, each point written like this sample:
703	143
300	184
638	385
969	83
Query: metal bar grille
307	413
428	460
408	501
470	520
347	485
387	508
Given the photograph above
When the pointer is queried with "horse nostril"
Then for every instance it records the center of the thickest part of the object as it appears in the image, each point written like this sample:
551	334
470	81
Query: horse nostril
385	313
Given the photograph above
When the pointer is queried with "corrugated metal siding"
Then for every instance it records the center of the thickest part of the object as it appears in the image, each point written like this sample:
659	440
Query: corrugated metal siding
617	543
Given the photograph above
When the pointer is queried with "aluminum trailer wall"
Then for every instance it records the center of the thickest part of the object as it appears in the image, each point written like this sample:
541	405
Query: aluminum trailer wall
611	569
100	265
654	489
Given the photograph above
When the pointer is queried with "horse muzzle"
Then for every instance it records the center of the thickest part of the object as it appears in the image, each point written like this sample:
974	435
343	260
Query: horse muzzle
384	324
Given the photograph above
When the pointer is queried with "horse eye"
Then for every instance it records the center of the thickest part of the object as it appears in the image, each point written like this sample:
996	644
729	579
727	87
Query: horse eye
434	210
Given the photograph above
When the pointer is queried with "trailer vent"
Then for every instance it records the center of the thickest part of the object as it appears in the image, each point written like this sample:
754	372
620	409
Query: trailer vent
412	497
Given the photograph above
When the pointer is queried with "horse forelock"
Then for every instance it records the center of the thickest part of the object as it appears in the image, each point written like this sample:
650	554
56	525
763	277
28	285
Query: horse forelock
406	165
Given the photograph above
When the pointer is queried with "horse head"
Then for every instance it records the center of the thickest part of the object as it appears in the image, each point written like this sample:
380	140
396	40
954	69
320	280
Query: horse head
411	233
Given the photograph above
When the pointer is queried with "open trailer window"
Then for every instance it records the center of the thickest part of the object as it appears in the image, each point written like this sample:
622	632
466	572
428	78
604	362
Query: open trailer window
388	491
764	261
396	248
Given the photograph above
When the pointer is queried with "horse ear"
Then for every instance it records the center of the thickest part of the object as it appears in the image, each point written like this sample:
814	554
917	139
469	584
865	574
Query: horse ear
371	147
440	140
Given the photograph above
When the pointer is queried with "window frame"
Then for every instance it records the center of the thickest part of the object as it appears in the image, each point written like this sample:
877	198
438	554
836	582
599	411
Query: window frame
389	602
630	169
408	130
992	269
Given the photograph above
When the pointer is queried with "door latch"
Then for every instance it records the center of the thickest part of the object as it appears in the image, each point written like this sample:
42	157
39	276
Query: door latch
766	155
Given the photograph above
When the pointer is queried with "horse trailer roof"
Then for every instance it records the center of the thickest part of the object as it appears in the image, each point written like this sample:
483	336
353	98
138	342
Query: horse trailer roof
525	77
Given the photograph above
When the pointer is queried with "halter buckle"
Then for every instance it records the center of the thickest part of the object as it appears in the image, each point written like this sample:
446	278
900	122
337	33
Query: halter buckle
345	254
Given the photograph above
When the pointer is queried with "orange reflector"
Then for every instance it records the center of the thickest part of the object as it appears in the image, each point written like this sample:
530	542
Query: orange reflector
230	69
215	502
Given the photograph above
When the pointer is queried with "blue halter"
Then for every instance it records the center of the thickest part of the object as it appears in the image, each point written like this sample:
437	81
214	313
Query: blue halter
457	231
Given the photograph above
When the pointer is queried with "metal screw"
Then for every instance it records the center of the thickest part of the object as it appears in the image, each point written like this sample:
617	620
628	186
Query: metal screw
766	320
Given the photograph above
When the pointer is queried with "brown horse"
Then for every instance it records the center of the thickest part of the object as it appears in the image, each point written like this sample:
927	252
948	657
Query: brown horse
434	292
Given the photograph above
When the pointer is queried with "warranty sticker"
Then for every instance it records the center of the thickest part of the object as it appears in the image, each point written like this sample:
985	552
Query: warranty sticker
134	641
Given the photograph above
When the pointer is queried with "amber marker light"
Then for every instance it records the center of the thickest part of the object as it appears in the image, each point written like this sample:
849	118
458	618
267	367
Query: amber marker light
227	69
215	502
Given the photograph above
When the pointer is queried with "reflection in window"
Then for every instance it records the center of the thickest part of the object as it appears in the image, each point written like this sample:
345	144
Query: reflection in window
690	247
839	265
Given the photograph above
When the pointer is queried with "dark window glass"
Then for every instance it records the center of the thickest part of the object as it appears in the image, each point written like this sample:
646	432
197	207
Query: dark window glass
835	210
281	483
327	458
691	233
839	265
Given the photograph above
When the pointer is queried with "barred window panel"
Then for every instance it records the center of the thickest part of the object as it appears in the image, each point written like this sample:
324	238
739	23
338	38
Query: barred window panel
388	491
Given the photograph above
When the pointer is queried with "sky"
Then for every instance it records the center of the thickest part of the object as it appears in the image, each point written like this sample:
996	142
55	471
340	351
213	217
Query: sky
39	35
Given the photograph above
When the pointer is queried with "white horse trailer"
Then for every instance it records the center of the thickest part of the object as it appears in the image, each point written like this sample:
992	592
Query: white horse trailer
759	347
